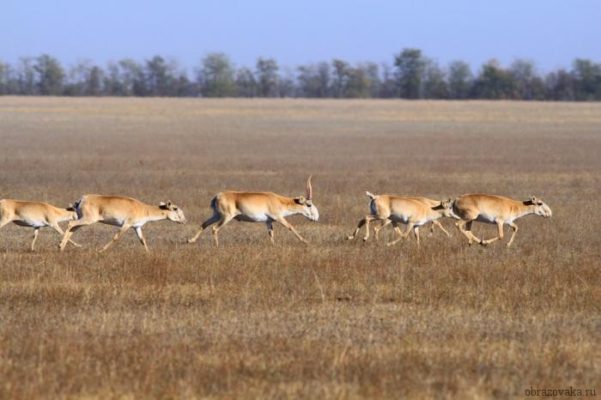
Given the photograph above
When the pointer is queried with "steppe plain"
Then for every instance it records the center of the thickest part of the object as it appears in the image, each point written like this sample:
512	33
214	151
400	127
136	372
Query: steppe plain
334	319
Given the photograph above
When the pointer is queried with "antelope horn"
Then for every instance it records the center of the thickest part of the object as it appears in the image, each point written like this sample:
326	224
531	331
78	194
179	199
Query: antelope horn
309	189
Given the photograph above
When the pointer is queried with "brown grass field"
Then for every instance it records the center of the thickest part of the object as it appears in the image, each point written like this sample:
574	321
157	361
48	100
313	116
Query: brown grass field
335	319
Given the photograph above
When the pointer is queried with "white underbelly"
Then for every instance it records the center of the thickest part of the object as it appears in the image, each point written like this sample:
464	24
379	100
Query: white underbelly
30	223
421	222
259	217
113	221
399	218
489	219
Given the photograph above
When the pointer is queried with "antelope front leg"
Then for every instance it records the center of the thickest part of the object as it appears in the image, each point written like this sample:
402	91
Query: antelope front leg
499	237
416	233
270	231
515	230
378	229
123	229
290	227
35	236
141	237
220	224
71	227
465	227
57	228
401	235
438	224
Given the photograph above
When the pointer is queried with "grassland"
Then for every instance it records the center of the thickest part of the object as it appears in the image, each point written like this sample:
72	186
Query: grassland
334	319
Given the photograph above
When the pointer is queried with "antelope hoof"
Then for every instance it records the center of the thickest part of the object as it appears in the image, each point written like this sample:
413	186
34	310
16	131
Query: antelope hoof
191	241
350	237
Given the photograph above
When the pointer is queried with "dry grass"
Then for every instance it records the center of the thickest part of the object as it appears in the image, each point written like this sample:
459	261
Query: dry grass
331	320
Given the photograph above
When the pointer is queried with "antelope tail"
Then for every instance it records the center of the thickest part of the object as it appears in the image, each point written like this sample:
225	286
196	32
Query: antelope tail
371	195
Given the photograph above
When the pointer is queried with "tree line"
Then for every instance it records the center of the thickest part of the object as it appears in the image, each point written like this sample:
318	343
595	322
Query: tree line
411	75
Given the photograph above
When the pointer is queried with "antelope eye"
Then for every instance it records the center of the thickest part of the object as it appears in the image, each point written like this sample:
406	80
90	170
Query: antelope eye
309	205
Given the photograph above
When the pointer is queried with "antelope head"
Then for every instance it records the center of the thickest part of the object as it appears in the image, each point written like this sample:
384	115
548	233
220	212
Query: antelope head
174	213
308	208
539	207
72	210
445	208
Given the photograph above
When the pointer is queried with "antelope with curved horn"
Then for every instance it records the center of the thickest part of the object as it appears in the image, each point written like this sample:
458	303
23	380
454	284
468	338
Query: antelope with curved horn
35	215
266	207
123	212
494	210
413	211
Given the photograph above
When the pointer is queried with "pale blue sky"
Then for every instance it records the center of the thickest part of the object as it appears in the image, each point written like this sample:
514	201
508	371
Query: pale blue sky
550	32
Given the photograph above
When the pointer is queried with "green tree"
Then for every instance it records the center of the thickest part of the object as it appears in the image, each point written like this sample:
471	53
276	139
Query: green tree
460	80
587	79
112	81
216	76
161	77
133	78
26	77
373	75
287	83
50	75
410	66
560	86
246	84
528	85
5	78
434	83
388	85
314	80
267	77
358	84
341	71
494	82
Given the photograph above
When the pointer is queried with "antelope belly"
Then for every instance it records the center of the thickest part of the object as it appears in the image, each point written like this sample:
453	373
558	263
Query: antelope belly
113	221
253	217
489	219
29	223
399	218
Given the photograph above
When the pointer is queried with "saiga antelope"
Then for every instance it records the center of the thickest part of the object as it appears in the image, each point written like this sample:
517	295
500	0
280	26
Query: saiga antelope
413	211
395	224
35	215
124	212
264	207
494	210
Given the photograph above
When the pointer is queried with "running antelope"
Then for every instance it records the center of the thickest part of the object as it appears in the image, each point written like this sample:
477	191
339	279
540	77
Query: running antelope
413	211
395	224
264	207
124	212
494	210
35	215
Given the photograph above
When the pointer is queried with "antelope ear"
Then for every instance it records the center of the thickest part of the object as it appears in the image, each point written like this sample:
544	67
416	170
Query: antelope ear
163	205
300	200
533	199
